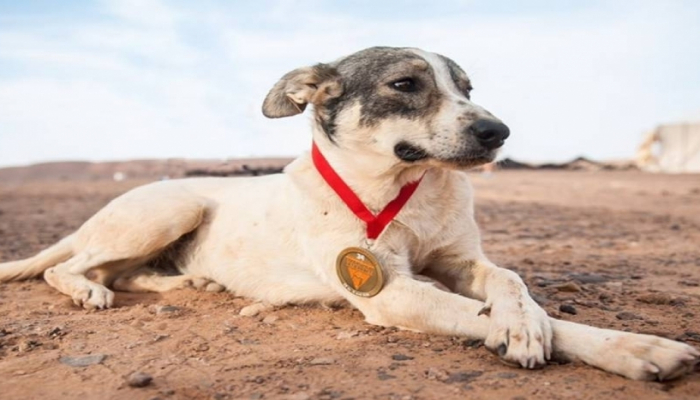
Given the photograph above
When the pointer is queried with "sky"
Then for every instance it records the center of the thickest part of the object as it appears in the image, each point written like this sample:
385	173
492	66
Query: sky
135	79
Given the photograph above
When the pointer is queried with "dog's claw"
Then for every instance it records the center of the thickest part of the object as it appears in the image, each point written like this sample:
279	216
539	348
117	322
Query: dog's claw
486	310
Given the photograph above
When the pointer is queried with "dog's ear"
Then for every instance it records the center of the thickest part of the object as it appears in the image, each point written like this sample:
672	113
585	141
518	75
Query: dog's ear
300	87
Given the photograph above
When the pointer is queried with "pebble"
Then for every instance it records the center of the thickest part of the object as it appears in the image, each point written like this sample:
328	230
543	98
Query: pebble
627	316
347	335
569	287
506	375
322	361
139	379
589	278
463	376
473	343
568	308
82	361
401	357
436	374
270	319
214	287
656	298
167	309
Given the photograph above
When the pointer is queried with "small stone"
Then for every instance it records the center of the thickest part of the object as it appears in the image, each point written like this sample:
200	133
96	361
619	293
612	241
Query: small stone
627	316
322	361
436	374
401	357
214	287
568	287
384	376
82	361
270	319
568	308
139	379
589	278
28	345
297	396
473	343
656	298
463	376
202	347
167	309
347	335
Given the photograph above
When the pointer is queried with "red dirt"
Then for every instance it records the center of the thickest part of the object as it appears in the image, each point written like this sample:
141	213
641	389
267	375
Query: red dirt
632	238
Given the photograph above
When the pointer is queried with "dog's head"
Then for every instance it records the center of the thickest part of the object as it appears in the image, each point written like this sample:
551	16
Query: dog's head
403	103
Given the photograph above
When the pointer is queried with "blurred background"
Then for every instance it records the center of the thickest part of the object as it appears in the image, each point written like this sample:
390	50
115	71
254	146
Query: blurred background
144	79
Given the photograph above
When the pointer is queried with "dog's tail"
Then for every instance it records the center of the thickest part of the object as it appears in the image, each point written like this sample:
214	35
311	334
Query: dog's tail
35	266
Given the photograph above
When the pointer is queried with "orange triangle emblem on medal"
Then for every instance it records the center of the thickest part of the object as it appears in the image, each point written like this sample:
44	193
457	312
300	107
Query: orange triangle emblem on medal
359	276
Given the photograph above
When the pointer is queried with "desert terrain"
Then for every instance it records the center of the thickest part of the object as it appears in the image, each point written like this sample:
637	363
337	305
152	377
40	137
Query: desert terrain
616	249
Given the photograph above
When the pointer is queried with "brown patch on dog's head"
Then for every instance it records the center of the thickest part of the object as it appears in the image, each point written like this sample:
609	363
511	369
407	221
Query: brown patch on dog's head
406	104
296	89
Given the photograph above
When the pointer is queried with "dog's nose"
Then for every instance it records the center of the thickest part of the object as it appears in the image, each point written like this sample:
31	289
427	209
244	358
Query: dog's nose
490	134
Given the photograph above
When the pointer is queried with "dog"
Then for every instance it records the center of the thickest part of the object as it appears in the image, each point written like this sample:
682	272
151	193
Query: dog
386	121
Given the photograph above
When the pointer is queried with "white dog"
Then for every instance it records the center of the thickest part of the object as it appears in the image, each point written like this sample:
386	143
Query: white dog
391	125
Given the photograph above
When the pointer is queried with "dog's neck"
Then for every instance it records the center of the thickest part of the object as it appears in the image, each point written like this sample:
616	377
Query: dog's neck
373	178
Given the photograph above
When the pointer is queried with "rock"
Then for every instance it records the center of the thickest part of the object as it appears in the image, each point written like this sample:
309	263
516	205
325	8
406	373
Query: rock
56	332
347	335
656	298
297	396
82	361
627	316
139	379
463	376
270	319
28	345
322	361
254	309
401	357
568	308
214	287
569	287
160	310
589	278
473	343
383	376
436	374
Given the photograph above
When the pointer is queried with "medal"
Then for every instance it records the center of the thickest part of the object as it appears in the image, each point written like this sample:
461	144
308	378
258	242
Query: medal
357	268
359	272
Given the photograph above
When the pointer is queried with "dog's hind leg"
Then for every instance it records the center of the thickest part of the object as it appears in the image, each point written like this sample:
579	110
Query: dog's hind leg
145	280
35	266
123	236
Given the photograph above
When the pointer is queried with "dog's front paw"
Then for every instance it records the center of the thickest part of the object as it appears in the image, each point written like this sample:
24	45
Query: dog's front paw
93	296
646	357
520	332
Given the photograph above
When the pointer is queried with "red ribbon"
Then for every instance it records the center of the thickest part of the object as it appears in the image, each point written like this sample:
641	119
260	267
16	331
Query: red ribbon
375	224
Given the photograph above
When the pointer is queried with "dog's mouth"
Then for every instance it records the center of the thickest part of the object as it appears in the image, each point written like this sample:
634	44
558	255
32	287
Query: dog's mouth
410	153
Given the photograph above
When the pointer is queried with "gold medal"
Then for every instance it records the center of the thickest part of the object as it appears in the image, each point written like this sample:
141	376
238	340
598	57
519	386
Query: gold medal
359	272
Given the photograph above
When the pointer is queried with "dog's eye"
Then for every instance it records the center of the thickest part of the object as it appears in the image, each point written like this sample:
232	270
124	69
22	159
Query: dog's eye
406	85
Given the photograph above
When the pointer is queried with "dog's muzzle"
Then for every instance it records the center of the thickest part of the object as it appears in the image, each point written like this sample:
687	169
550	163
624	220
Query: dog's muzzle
489	133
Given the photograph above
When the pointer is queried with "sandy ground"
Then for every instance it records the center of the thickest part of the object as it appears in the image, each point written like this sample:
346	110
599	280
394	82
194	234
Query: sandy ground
621	248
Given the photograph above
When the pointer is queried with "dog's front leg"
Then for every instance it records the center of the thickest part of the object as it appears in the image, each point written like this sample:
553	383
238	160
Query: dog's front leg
417	305
520	331
420	306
